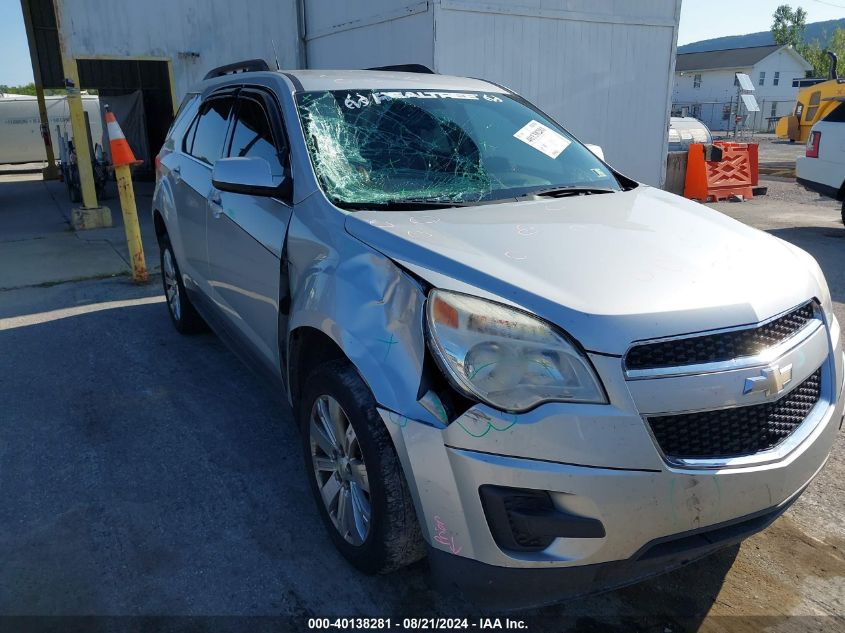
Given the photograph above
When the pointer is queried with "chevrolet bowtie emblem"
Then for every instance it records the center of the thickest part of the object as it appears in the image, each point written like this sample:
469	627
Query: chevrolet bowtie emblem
772	380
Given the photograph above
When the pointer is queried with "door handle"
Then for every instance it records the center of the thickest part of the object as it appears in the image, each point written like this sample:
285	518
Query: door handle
214	203
177	173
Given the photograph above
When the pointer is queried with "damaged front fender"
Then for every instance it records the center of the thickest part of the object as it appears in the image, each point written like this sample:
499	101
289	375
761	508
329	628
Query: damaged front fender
365	303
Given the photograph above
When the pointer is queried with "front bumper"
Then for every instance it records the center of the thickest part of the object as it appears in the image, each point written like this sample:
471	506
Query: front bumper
600	464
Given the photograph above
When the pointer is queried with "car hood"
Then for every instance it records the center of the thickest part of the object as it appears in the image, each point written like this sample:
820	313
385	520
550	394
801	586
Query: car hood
609	269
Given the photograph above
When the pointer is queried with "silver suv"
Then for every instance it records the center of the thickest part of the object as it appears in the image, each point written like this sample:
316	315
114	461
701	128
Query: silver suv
502	353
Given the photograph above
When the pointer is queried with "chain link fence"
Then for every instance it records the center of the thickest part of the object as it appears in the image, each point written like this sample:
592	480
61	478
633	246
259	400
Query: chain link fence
731	116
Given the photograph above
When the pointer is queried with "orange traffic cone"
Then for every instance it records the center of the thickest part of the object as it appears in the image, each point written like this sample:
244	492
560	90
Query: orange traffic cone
121	153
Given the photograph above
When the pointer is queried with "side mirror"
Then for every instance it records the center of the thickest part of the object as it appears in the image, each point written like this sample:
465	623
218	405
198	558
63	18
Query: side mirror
249	175
596	149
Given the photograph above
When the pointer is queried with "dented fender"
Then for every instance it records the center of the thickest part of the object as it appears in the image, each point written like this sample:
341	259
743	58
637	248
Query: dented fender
363	301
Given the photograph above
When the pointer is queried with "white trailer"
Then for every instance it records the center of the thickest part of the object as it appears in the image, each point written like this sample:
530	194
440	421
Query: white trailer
603	68
20	125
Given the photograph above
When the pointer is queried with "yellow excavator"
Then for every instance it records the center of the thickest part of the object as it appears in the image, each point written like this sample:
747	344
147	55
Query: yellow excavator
816	98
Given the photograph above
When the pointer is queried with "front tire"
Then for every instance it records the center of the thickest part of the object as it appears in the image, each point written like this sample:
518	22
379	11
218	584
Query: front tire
184	316
355	474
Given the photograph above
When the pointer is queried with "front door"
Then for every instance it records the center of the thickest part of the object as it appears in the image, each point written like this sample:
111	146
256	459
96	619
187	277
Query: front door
246	233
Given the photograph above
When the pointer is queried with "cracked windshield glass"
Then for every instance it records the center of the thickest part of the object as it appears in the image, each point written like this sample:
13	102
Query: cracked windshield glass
393	147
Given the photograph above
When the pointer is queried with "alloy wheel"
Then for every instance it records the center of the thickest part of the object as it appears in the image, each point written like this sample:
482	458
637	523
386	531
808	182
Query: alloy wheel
340	470
171	285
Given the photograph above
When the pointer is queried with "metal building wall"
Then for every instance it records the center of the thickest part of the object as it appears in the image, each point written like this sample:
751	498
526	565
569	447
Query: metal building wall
603	68
219	31
359	34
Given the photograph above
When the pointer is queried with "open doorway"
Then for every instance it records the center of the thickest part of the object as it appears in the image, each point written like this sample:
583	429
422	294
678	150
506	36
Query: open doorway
148	81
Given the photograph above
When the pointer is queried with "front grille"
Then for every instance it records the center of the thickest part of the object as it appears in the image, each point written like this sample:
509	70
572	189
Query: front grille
712	348
737	431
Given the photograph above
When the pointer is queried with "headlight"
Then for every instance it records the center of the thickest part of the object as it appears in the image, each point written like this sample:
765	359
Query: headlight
504	357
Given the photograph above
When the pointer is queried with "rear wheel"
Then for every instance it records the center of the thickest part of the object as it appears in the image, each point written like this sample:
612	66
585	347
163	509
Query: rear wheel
843	211
182	312
355	474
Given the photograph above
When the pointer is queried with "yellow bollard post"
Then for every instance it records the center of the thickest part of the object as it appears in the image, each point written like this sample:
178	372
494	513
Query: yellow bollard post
130	223
122	157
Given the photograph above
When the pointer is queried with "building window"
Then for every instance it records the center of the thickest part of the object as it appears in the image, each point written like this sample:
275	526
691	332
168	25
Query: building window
776	79
774	111
696	81
762	80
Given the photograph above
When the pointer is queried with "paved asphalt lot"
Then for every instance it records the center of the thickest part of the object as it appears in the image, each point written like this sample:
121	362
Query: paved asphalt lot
146	473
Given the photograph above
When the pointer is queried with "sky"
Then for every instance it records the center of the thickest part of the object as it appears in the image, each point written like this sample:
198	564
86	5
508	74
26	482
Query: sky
705	19
700	20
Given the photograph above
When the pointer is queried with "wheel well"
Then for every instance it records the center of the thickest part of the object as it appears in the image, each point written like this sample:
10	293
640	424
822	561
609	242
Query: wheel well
158	222
309	347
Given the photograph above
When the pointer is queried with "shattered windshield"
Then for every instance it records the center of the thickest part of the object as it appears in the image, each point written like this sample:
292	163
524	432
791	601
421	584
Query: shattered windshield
401	146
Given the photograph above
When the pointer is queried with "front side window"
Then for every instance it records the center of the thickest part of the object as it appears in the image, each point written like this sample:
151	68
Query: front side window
253	135
696	81
452	147
210	133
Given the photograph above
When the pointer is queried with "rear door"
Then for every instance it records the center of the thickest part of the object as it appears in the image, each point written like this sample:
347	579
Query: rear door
246	233
203	145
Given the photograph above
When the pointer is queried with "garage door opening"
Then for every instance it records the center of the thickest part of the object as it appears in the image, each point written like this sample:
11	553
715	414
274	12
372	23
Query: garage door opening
141	90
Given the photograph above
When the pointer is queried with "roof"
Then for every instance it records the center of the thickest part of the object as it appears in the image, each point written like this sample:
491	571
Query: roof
316	80
727	58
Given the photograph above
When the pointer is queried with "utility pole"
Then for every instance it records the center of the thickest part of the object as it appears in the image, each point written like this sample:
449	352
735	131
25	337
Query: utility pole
50	172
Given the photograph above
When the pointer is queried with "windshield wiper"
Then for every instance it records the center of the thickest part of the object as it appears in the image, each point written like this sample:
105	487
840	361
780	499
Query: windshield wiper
560	192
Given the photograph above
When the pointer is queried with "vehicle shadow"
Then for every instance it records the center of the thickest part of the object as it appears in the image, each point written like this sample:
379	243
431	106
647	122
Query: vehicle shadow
827	245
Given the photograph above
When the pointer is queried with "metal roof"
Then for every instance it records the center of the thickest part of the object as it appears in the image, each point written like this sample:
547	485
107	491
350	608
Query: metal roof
727	58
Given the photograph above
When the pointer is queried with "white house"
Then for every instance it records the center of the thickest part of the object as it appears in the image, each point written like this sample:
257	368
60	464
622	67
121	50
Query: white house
705	83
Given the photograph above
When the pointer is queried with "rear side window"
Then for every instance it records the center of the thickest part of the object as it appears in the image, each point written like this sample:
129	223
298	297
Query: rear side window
209	134
183	118
837	115
253	135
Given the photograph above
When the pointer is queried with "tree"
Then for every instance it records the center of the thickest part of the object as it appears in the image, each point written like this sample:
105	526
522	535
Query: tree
814	53
29	89
788	25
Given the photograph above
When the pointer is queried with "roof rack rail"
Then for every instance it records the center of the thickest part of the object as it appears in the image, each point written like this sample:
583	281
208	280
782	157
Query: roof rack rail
406	68
246	66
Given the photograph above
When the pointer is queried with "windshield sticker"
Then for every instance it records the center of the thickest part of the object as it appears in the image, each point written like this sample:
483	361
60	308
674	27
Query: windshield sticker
356	101
599	172
543	138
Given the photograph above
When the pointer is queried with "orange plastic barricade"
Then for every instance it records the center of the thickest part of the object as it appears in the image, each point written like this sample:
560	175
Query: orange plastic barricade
734	174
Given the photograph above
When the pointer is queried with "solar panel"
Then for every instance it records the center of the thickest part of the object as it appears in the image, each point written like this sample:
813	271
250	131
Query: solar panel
745	82
750	103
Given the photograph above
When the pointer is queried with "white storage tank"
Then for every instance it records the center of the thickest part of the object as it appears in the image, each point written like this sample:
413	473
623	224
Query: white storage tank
20	125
